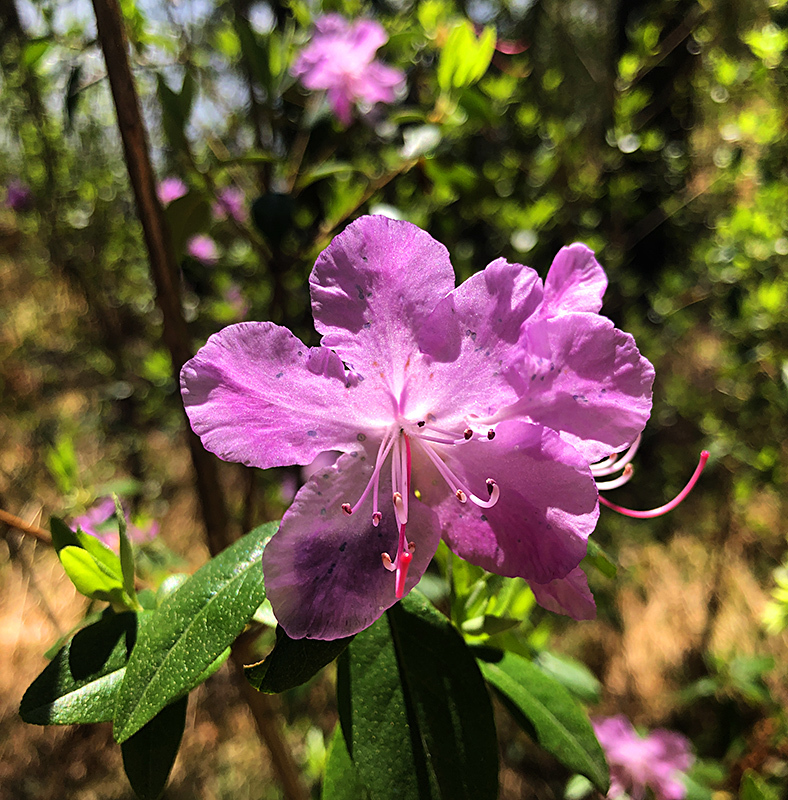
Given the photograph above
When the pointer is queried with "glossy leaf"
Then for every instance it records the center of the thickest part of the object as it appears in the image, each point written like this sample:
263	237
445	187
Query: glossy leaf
62	535
293	662
341	780
80	684
414	709
560	725
190	630
149	754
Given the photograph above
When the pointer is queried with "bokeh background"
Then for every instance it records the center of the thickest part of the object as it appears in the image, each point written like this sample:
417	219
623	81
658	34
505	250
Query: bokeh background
653	131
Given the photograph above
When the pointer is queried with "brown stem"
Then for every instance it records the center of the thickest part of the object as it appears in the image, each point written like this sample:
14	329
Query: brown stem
164	268
165	275
24	527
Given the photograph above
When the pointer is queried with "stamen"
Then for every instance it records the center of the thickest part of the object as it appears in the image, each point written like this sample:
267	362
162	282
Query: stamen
629	471
376	518
462	492
614	463
467	434
400	564
658	512
491	434
385	446
399	509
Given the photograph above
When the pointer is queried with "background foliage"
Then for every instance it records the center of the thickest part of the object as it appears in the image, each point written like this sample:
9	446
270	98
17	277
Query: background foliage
655	132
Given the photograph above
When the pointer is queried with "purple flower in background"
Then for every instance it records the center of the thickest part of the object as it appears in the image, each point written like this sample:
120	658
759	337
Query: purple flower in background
470	414
340	58
19	197
230	202
171	189
640	763
98	521
203	248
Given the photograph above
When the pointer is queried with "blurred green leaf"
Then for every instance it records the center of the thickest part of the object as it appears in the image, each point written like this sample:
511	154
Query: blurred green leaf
149	754
80	684
34	51
754	787
187	216
61	461
561	725
126	553
465	57
191	629
293	662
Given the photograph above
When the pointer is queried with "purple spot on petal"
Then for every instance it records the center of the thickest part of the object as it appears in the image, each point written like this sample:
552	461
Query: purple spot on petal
342	547
279	374
311	433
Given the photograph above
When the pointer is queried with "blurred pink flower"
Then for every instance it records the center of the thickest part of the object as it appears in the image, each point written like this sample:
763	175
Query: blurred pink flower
203	248
171	189
19	197
230	202
340	59
98	522
237	301
640	763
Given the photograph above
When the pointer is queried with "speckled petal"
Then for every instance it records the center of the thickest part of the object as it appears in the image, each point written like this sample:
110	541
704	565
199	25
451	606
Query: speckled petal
570	595
323	569
546	511
256	394
581	376
471	333
372	288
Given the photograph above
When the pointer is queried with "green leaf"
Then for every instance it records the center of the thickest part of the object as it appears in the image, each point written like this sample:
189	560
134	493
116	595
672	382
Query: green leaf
106	559
754	787
126	553
34	51
191	629
414	709
149	754
80	684
572	675
187	216
62	535
464	58
293	662
341	780
89	577
561	725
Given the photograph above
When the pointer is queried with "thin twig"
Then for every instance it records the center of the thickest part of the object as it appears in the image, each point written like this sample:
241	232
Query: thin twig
25	527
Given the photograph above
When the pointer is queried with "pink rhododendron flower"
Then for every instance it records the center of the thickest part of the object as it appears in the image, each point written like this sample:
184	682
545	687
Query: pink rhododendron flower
171	189
467	413
203	248
18	196
639	763
98	521
340	59
230	202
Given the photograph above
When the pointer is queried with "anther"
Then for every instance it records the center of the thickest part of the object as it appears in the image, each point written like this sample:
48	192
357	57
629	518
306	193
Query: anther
376	518
461	496
422	423
467	434
346	507
491	434
491	486
387	562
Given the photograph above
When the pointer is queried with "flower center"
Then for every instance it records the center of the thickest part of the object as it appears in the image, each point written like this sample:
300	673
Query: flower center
397	443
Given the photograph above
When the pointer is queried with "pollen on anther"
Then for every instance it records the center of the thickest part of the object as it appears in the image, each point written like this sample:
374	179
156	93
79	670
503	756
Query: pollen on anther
467	433
347	508
376	518
461	496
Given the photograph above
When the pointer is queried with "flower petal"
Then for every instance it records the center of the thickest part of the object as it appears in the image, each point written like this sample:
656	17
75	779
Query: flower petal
469	335
570	595
323	569
256	394
581	376
547	507
372	287
575	282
